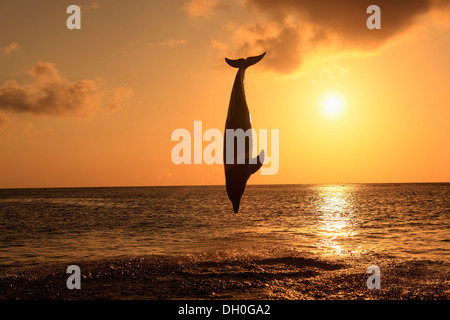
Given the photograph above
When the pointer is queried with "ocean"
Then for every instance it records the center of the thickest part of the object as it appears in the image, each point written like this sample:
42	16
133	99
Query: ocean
167	240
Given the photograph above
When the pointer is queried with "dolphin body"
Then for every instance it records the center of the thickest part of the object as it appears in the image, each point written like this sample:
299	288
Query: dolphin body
236	175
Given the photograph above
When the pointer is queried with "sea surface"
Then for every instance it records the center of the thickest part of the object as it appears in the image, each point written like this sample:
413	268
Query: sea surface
38	226
301	223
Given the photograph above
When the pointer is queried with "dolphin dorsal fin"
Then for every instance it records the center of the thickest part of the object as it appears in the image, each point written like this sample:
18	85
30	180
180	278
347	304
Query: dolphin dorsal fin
245	63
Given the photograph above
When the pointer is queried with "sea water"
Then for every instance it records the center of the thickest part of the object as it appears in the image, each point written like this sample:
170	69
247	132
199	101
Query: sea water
404	221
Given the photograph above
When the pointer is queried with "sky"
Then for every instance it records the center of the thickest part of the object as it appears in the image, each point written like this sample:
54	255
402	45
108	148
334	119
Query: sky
97	106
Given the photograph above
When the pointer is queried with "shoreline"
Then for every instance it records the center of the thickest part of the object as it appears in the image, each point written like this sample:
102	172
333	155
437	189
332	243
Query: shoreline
192	277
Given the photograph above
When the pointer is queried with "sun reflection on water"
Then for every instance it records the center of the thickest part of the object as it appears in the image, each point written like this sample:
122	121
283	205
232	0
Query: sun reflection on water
335	218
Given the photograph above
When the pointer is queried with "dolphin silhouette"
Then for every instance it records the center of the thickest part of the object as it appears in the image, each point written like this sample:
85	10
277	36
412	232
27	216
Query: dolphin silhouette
237	174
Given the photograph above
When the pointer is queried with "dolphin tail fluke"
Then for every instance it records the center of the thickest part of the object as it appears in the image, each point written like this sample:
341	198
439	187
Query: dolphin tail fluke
245	63
260	160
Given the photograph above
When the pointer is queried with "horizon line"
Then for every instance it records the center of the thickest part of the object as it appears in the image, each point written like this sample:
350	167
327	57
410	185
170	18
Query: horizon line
218	185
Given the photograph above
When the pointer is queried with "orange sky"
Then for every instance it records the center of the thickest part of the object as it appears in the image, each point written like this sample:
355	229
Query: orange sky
97	106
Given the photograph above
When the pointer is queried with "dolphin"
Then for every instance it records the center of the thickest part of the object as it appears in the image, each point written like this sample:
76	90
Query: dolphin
236	175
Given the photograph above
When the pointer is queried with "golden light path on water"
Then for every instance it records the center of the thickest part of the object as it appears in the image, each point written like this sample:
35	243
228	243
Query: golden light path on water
336	221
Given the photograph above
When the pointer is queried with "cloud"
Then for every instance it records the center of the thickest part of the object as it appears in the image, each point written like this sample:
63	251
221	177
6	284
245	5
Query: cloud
90	6
12	48
3	119
50	93
203	8
293	30
282	41
119	97
171	43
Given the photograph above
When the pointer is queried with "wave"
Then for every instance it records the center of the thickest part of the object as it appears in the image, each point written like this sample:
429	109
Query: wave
231	275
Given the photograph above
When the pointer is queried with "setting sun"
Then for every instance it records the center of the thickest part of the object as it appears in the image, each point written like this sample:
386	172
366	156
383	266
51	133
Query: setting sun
332	105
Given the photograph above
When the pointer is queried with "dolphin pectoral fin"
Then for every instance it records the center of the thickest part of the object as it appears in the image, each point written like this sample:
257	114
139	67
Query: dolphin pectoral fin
260	160
245	63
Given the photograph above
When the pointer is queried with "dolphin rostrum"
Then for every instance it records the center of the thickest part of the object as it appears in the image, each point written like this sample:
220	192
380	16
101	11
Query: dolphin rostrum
237	173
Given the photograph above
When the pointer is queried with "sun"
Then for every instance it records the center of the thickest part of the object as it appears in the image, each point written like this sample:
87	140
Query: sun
332	105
